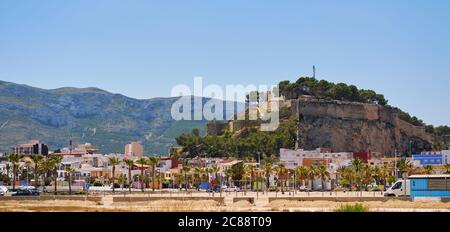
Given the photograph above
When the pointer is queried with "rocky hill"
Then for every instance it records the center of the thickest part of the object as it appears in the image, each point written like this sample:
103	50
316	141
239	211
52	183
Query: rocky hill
90	115
352	126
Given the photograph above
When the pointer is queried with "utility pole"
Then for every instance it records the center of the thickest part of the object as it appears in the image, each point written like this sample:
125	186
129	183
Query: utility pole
295	180
410	148
395	163
70	144
259	160
314	71
27	176
297	139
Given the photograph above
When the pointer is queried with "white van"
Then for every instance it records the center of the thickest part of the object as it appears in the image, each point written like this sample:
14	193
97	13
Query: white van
3	190
399	189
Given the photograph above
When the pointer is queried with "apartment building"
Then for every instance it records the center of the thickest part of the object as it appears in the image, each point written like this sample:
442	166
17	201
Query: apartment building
296	158
33	147
134	149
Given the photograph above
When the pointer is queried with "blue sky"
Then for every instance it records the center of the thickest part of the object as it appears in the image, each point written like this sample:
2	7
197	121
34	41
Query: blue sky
141	49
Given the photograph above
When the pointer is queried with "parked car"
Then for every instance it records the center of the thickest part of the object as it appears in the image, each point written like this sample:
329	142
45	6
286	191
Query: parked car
3	190
28	187
26	192
374	187
232	189
304	188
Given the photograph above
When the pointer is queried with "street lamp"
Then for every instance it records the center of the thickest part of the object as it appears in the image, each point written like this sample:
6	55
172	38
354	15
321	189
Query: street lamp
410	148
295	180
395	164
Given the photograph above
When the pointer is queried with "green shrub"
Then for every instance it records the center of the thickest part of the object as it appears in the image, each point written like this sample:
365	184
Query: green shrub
358	207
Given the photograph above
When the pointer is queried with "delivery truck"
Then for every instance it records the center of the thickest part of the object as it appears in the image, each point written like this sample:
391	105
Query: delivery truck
401	188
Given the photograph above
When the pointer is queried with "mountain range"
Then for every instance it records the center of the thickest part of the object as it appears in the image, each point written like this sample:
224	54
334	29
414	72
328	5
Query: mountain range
92	115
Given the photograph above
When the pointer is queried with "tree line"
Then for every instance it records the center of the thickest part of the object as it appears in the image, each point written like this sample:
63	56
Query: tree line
329	90
439	130
45	170
251	144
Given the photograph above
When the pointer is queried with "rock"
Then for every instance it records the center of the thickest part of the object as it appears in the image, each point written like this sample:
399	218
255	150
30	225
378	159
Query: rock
347	126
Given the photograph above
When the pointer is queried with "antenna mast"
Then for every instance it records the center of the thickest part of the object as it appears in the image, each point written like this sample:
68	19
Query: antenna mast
70	144
314	71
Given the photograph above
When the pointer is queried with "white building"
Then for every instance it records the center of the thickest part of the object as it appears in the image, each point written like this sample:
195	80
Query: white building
375	162
3	168
225	165
294	158
445	156
164	165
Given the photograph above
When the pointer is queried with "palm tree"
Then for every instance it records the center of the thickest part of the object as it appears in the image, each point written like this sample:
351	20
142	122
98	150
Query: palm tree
69	170
185	170
341	175
55	161
229	175
447	168
36	168
428	169
302	174
258	179
14	159
323	174
114	161
197	172
202	174
47	167
238	172
376	173
391	179
154	161
245	179
8	172
281	172
250	171
215	170
129	163
122	180
142	161
357	165
268	170
312	173
405	166
385	172
208	172
28	164
178	179
366	176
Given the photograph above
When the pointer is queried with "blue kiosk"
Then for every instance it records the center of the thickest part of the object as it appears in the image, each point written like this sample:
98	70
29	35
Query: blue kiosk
430	186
